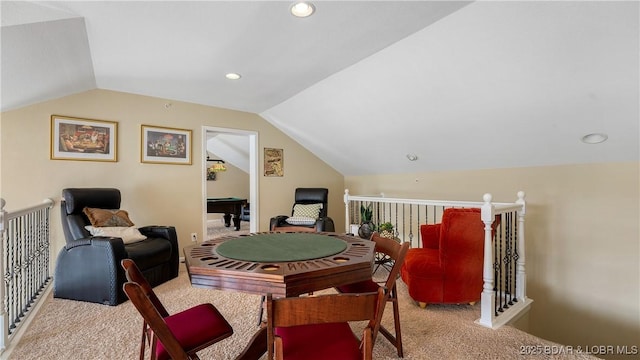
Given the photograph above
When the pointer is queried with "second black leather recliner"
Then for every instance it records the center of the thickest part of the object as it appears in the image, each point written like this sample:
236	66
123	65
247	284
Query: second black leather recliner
310	202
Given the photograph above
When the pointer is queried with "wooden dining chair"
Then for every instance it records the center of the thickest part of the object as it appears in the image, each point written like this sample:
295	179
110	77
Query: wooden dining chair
317	327
397	253
177	336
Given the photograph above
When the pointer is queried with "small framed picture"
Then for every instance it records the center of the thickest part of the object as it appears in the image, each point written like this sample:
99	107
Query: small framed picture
83	139
163	145
273	162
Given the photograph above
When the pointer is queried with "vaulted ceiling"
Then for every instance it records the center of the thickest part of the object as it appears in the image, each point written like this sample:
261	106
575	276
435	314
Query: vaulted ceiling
461	85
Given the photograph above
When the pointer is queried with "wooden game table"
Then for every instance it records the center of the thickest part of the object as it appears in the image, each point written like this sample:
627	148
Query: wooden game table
283	264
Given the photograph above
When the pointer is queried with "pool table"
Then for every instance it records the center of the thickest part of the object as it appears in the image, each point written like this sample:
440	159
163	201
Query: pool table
227	206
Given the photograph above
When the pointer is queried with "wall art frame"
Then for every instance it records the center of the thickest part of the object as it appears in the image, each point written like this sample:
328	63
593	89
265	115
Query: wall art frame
74	138
273	162
165	145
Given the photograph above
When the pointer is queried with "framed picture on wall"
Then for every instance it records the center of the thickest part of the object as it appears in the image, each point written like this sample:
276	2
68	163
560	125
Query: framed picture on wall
83	139
273	162
163	145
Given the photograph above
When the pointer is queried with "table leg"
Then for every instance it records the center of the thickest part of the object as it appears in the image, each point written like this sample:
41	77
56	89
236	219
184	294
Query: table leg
236	222
227	219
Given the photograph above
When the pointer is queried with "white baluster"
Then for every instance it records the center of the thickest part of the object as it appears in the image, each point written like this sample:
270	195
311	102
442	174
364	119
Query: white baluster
347	220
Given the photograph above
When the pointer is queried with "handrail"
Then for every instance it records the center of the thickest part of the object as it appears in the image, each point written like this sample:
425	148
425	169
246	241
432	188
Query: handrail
384	199
46	203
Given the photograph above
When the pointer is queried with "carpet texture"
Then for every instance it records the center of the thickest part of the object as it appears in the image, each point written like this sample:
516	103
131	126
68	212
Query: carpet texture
67	330
216	228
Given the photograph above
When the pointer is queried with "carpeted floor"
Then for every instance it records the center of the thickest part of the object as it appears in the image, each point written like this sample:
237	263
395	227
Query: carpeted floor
67	330
216	228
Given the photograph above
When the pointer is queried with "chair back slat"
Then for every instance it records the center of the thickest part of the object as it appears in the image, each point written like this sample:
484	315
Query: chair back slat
322	309
396	251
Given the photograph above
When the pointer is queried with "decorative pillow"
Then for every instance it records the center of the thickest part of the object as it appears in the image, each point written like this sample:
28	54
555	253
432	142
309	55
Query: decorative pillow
104	217
307	210
128	234
300	220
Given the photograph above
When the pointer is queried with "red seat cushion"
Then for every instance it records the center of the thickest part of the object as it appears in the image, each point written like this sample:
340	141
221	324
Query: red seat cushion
335	341
359	287
194	327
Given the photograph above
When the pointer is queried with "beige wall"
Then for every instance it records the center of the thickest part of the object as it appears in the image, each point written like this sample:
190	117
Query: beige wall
582	241
152	193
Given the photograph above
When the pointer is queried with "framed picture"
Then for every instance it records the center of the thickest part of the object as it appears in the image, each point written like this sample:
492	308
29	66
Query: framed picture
163	145
273	162
83	139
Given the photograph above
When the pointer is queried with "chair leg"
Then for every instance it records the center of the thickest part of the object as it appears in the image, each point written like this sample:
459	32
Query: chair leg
261	309
145	337
396	320
154	342
422	304
397	339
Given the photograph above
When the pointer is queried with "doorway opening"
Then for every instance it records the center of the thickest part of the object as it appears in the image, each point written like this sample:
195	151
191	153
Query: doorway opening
238	149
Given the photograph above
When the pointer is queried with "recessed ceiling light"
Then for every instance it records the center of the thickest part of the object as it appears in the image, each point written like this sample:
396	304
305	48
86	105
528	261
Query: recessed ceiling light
595	138
302	9
412	157
233	76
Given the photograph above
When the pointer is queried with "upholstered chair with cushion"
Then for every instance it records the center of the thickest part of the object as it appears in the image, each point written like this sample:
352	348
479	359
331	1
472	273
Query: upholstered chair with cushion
309	213
317	327
99	235
396	252
179	335
448	267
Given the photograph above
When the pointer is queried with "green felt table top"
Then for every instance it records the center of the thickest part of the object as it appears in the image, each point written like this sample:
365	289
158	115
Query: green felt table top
281	247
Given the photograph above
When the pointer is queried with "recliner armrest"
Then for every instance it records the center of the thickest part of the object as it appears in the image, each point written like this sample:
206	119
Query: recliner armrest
86	267
169	233
278	221
325	224
157	231
94	240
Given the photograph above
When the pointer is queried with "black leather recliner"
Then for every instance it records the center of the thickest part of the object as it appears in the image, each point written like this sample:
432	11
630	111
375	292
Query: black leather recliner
88	268
306	196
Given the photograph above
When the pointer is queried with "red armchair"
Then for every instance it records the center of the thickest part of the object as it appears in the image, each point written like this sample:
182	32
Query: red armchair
448	267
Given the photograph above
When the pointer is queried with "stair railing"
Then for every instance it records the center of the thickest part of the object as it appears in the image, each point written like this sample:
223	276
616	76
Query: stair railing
24	262
503	298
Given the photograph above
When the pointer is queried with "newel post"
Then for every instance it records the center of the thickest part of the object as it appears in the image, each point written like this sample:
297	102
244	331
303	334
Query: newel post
347	221
521	275
487	298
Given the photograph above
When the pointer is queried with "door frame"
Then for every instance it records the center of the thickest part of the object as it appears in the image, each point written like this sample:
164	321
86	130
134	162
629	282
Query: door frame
253	174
